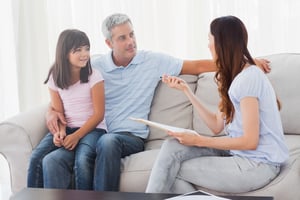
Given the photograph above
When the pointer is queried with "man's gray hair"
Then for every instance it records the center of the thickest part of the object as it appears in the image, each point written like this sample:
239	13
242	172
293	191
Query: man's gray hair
111	21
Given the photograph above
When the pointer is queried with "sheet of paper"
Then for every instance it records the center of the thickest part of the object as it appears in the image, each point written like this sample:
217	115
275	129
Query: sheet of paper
196	197
163	126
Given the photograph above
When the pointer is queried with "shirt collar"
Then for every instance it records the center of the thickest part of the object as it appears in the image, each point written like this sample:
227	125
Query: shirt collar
137	59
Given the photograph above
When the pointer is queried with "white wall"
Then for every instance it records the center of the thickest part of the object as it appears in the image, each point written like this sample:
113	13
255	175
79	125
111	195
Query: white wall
180	30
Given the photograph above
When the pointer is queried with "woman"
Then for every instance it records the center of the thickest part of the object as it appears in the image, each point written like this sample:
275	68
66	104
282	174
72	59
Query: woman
251	153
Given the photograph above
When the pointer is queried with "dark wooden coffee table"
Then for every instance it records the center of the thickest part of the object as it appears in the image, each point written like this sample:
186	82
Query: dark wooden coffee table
56	194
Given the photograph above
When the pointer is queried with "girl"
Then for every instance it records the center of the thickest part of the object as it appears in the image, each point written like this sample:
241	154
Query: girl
251	154
76	91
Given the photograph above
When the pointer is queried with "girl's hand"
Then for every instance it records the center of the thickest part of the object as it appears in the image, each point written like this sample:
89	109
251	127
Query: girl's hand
175	82
71	141
56	140
185	138
62	135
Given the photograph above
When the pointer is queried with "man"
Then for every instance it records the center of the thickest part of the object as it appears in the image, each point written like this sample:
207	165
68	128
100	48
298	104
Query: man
131	77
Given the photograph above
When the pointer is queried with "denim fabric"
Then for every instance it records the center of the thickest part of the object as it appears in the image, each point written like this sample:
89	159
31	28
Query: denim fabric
35	171
58	169
59	165
209	168
110	149
85	160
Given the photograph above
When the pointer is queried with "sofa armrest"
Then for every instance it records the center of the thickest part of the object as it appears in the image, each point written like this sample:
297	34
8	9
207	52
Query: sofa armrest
19	135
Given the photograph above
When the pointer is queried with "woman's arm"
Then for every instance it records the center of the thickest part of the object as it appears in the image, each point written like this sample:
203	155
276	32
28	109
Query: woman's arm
98	100
248	141
214	121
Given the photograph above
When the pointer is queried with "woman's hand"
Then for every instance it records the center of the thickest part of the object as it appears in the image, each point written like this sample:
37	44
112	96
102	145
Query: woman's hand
186	138
175	82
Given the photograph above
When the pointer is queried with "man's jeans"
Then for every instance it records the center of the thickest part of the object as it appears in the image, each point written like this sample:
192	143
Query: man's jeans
110	149
180	165
53	167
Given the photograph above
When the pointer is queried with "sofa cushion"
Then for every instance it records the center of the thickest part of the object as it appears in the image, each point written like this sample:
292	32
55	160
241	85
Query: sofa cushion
207	93
136	169
171	107
285	79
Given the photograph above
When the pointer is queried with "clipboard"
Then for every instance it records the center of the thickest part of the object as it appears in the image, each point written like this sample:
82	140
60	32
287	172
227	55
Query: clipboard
163	126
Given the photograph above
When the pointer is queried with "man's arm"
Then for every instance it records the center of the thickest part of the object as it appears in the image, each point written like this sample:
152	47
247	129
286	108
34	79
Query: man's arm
55	113
52	118
195	67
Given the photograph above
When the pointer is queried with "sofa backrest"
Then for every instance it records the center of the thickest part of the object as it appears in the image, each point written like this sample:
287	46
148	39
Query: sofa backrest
285	77
171	107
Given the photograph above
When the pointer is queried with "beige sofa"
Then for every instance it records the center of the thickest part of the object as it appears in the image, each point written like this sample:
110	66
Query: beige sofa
20	134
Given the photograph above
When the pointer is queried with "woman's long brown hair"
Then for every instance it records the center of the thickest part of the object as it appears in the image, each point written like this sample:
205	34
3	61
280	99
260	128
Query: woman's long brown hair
230	38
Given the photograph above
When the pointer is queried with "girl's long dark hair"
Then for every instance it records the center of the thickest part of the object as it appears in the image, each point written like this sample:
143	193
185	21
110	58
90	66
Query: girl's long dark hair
68	41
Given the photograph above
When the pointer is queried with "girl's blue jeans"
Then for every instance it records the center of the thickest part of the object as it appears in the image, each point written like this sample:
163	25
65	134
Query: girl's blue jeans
48	163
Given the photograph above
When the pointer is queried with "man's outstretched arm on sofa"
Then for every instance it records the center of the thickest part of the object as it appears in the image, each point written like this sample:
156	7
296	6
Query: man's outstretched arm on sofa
196	67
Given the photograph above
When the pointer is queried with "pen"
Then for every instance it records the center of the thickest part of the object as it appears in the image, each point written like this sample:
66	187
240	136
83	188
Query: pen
162	76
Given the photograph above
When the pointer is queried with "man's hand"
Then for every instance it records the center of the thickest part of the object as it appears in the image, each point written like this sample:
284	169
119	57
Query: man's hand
263	64
52	119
